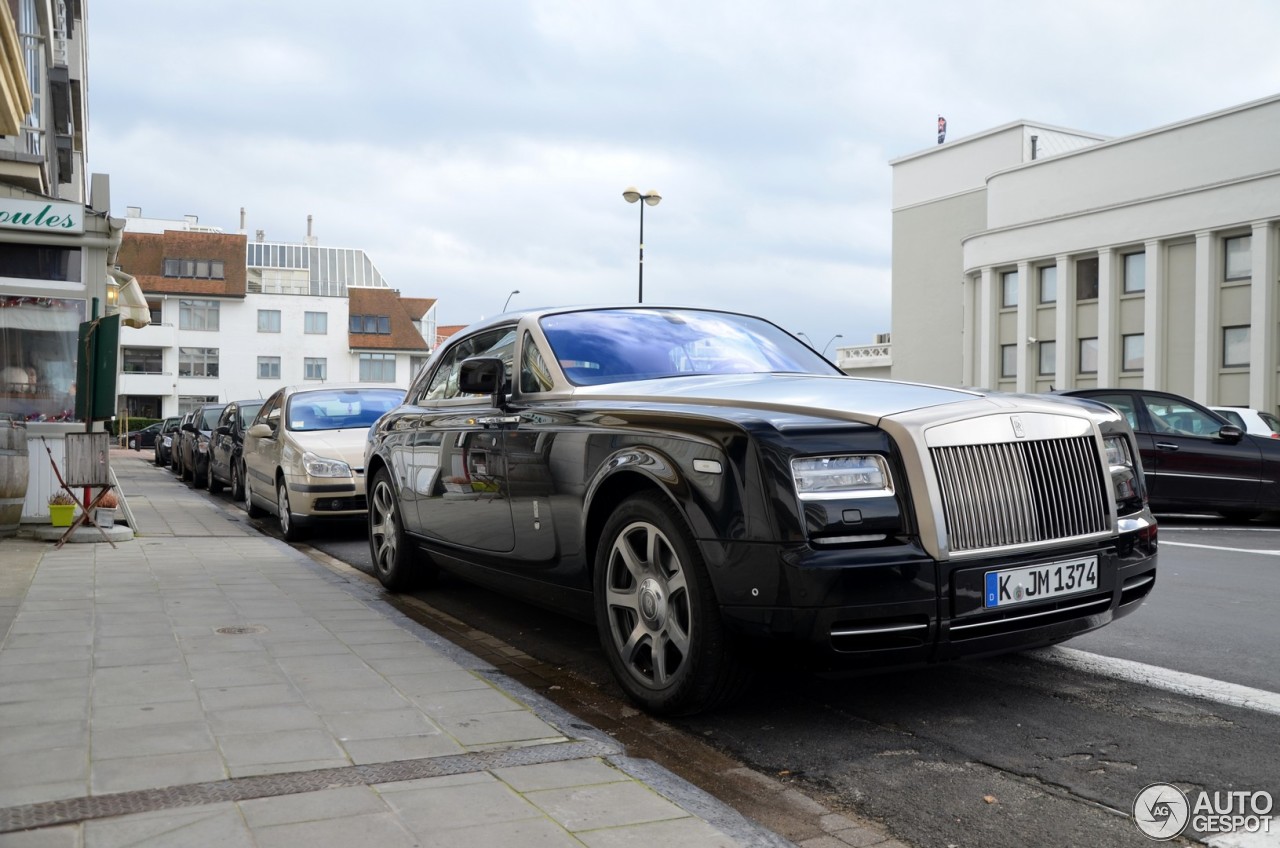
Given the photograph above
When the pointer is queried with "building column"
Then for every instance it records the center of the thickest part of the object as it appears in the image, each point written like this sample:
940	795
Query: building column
1155	307
969	329
1026	309
1064	324
1204	335
1108	304
986	325
1262	330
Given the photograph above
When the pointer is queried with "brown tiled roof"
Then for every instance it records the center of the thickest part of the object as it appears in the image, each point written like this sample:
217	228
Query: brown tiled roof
444	331
378	301
143	255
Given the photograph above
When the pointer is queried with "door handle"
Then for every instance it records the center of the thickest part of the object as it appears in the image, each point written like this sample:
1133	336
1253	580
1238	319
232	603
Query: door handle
1166	446
499	419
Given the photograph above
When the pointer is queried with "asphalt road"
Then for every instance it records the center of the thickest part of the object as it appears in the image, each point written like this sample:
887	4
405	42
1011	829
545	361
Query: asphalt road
1012	751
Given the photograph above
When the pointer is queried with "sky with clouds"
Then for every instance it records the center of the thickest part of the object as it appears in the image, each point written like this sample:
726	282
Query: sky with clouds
477	147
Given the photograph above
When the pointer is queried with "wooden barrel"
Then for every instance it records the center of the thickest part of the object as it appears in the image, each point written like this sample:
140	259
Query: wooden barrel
14	470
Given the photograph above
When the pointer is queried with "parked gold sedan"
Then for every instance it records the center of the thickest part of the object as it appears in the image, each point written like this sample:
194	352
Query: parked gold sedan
304	453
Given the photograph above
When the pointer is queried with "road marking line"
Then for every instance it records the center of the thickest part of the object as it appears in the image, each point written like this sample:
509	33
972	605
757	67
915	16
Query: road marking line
1219	548
1167	679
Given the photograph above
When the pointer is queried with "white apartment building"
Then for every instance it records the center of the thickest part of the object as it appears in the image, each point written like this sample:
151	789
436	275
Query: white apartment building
1030	257
233	319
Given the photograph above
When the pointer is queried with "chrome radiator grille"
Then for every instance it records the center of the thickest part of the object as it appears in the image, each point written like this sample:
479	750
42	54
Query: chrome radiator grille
1016	493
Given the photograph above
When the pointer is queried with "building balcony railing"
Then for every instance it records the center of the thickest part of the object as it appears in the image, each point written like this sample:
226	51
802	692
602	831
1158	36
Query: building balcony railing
152	335
864	356
139	383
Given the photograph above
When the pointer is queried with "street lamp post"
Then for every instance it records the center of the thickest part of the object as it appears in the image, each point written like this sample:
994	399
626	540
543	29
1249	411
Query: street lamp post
828	344
801	334
652	198
508	303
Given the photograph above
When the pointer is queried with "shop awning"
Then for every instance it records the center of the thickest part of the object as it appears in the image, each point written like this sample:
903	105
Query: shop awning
130	301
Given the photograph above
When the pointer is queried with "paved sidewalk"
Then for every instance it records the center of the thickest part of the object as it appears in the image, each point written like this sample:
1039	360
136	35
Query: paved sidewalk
205	685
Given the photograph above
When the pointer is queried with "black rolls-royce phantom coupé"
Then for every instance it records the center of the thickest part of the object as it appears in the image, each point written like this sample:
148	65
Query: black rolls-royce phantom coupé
696	480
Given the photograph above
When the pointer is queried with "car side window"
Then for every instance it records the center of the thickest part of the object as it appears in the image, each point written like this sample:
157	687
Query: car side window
1179	419
535	376
1122	404
270	412
227	416
444	382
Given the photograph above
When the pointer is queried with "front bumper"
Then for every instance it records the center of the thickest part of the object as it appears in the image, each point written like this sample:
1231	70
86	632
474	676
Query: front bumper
896	606
328	497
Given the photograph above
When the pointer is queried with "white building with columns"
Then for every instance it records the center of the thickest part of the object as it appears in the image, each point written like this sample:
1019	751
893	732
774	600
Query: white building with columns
1030	257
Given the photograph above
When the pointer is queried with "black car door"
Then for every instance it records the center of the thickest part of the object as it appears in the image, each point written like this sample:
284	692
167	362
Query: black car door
1192	465
455	468
220	442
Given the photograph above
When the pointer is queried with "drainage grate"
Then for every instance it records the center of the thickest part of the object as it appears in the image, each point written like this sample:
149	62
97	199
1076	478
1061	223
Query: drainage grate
51	813
240	629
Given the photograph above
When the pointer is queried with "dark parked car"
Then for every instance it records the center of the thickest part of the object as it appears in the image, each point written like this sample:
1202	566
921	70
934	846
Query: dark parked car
694	480
226	460
144	438
193	445
164	440
1196	460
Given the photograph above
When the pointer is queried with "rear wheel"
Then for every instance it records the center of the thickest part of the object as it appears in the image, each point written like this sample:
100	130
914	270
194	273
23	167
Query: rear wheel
290	528
237	481
212	483
657	615
388	547
251	509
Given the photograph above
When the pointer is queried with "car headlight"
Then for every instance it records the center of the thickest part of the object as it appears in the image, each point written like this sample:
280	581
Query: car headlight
853	476
321	466
1125	479
202	444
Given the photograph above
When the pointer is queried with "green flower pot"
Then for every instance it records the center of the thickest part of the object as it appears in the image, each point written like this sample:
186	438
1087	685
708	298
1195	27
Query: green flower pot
61	514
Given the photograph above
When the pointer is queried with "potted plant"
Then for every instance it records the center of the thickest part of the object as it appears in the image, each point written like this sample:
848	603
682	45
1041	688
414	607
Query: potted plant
62	508
104	514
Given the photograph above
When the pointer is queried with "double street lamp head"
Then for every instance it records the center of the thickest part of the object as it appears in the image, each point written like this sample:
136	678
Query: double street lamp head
651	197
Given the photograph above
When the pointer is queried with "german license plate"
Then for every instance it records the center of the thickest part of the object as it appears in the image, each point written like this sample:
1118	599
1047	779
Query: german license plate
1040	582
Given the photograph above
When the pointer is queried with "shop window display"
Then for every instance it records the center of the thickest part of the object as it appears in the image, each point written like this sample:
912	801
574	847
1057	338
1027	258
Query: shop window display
38	356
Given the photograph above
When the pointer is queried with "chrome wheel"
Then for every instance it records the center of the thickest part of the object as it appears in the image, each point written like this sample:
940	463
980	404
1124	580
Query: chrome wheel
251	509
237	482
387	544
647	600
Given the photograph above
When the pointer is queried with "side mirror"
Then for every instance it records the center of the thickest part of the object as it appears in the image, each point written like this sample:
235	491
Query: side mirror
189	428
261	431
224	430
1230	433
483	375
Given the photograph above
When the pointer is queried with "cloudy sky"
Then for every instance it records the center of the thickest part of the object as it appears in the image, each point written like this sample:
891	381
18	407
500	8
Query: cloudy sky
477	147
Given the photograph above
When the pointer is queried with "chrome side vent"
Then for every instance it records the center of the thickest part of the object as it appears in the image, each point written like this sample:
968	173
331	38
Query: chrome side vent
1018	493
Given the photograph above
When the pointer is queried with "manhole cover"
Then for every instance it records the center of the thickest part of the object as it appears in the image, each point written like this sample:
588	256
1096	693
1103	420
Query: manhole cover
240	629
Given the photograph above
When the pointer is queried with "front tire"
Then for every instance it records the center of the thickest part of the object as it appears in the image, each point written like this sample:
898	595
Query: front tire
212	483
251	509
387	543
657	614
290	527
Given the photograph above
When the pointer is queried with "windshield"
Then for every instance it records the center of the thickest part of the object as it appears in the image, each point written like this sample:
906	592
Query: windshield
619	345
340	408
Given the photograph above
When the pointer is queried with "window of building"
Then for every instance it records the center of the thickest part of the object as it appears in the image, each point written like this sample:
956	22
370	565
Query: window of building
1048	353
1088	356
1049	284
268	320
377	367
198	315
197	362
187	403
1135	272
1087	278
1009	289
376	324
1235	347
268	368
142	360
38	357
198	269
315	368
315	322
1008	360
1239	258
1133	352
416	363
37	262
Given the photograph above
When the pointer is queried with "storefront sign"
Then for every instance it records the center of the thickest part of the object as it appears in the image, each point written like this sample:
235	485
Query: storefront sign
41	216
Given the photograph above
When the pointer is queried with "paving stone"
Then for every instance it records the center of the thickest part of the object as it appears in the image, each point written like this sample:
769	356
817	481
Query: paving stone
679	833
608	805
560	775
